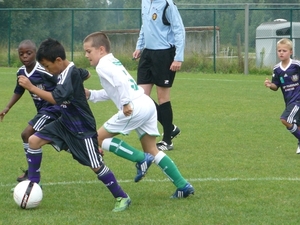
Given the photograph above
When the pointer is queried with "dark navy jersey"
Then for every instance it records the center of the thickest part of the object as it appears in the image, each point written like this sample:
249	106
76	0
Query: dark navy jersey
288	80
41	79
69	93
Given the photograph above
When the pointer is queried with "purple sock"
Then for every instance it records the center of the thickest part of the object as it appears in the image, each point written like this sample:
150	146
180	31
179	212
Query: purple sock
34	158
110	181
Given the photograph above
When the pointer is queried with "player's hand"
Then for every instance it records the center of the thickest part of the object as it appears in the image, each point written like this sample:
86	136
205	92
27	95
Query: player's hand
175	66
3	113
87	93
24	82
268	83
136	54
127	110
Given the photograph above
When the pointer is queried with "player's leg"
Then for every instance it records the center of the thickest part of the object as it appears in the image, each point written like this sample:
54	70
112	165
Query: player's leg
26	133
85	151
147	88
109	142
34	125
166	115
34	157
289	119
184	189
163	78
126	151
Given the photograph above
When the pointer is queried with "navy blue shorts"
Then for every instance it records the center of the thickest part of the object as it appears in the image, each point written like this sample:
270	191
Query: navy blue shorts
43	118
83	149
291	113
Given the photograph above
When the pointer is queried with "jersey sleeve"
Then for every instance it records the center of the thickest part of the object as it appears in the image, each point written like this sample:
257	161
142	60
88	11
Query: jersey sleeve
140	44
178	30
84	74
19	89
98	96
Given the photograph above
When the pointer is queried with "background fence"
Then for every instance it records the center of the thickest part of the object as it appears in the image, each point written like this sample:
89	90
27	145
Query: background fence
236	41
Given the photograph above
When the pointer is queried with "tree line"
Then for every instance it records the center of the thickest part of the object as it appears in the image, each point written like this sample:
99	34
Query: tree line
71	20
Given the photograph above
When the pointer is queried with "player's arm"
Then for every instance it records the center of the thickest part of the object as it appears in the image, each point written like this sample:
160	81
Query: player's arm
9	105
139	45
270	85
47	96
85	74
96	95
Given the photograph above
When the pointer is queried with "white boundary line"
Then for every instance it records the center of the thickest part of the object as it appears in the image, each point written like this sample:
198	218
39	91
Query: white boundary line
225	80
209	179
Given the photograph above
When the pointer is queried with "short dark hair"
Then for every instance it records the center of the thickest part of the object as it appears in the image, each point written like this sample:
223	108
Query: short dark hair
28	43
98	39
50	49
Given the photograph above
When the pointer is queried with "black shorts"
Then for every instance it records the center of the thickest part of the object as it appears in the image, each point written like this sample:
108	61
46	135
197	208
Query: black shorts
83	149
154	67
41	119
292	113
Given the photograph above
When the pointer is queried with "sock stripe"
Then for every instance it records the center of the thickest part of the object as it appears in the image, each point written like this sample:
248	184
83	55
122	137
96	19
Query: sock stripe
117	143
34	151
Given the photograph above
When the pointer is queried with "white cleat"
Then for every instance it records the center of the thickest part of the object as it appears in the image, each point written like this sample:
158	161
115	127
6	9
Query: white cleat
298	150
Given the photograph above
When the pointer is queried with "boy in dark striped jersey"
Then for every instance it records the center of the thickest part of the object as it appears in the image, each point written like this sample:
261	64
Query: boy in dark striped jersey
286	77
38	76
76	127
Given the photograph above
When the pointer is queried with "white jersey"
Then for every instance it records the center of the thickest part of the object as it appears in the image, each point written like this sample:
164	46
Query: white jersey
118	85
121	88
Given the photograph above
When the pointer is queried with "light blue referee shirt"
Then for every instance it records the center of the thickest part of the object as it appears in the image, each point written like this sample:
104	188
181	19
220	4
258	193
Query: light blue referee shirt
155	35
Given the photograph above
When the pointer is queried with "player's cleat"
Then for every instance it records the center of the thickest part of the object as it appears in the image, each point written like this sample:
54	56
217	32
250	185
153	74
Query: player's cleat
23	177
122	204
184	192
163	146
298	149
176	131
143	166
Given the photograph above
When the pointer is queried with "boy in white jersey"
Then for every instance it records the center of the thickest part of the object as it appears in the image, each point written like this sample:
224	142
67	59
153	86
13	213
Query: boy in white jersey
136	111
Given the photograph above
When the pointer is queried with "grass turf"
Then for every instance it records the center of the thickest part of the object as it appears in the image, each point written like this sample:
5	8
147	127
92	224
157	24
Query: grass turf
233	149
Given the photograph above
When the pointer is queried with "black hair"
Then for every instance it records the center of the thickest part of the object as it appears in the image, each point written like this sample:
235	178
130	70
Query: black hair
29	43
50	50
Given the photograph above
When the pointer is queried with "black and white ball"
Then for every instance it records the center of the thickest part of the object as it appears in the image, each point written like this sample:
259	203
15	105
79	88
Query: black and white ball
28	194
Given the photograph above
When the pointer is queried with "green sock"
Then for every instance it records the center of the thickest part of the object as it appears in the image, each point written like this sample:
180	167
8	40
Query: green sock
170	169
122	149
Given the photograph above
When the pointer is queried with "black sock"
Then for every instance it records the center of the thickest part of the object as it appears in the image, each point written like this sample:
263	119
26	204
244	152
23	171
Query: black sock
166	115
158	112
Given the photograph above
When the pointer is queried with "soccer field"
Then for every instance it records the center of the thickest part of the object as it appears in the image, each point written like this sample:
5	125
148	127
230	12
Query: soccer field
233	149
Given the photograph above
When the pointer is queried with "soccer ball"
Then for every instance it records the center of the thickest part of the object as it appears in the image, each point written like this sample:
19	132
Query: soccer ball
28	194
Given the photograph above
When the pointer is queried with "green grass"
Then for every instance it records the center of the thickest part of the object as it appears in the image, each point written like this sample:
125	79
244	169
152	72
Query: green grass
233	149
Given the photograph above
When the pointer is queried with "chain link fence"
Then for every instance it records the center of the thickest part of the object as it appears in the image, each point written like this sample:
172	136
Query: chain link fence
234	38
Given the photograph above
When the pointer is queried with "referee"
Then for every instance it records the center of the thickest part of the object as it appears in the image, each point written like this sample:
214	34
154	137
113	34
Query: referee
160	47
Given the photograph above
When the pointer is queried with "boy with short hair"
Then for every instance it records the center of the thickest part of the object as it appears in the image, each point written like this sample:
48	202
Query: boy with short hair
136	111
38	76
286	76
76	127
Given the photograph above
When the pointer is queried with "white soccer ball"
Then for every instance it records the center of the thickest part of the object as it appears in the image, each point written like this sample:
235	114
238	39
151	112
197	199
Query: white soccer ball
28	194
